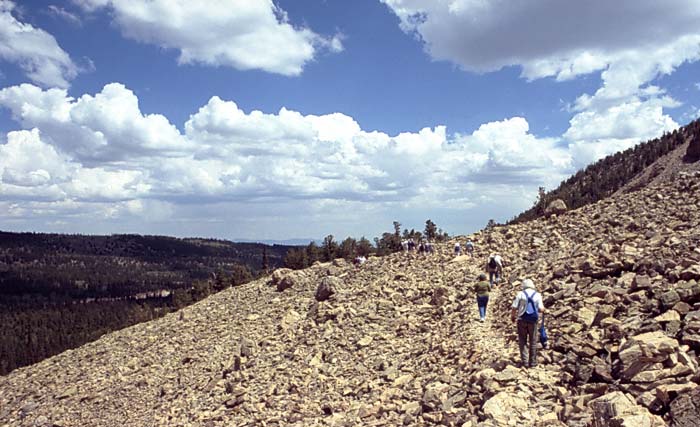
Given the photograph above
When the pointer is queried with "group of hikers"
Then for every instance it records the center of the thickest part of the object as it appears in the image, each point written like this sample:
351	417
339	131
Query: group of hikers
527	309
494	266
423	247
469	247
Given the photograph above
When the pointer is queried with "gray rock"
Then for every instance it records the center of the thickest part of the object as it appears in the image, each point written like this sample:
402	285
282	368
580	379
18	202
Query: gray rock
685	409
285	278
555	207
669	299
329	286
641	282
617	409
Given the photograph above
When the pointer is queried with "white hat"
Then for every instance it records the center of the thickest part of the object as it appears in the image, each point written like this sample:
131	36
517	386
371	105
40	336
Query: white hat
528	284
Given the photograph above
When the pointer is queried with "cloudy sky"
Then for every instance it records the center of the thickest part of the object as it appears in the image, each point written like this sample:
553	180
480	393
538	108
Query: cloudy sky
302	118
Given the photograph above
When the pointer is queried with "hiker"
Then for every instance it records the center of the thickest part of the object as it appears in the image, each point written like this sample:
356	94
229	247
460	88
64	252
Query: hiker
404	245
358	261
458	249
482	289
429	247
495	268
527	307
470	248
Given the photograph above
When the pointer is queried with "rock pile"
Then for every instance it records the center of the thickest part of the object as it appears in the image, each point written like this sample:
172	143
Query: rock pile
622	284
397	340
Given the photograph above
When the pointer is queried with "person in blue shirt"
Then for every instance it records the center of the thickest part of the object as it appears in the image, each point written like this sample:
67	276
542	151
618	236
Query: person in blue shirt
527	308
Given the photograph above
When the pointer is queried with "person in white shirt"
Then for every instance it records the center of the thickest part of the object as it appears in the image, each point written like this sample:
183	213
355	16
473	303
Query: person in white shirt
470	248
495	268
527	308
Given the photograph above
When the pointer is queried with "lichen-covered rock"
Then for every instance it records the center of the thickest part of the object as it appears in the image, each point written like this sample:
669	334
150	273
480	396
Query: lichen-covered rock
685	409
617	409
508	409
555	207
642	351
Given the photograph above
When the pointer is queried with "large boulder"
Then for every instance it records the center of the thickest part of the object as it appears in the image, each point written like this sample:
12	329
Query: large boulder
643	350
668	392
505	407
555	207
669	298
685	409
617	409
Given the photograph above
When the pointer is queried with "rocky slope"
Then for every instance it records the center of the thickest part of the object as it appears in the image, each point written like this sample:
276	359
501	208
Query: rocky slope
626	170
668	166
397	341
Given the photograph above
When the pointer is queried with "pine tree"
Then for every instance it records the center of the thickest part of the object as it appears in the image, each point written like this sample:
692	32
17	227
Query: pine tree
430	230
330	248
265	261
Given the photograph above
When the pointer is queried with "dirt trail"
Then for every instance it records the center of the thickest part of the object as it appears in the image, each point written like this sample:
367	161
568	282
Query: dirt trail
493	347
490	344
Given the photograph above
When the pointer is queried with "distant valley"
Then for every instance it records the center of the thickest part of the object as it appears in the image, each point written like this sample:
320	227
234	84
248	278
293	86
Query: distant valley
60	291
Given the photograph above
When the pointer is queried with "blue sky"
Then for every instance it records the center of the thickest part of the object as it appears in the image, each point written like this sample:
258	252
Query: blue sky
253	119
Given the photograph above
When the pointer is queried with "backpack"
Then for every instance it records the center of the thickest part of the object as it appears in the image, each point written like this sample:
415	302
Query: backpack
492	263
530	315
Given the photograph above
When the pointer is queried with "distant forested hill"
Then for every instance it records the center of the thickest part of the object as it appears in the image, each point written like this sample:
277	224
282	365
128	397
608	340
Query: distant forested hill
608	175
78	266
60	291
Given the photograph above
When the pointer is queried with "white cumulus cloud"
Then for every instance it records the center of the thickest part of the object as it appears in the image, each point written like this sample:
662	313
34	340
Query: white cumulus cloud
629	42
594	134
641	118
100	150
99	153
32	169
28	162
106	126
34	50
244	34
548	37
